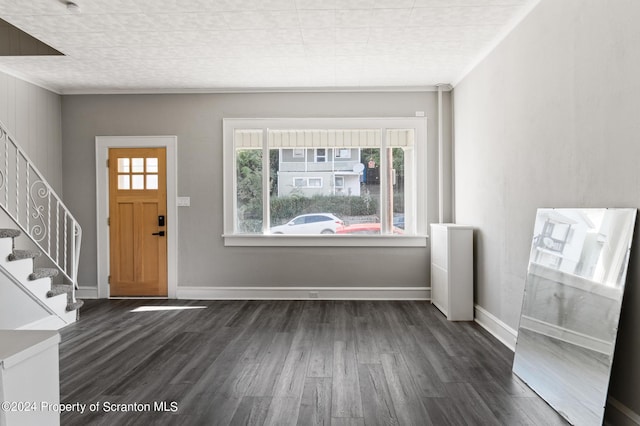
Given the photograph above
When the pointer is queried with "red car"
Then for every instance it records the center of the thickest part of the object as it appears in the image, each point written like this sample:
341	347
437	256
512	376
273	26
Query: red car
364	228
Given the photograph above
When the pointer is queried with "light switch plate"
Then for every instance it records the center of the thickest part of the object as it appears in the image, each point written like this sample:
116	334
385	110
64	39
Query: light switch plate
184	201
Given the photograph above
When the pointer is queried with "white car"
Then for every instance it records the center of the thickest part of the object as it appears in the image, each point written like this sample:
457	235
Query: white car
313	223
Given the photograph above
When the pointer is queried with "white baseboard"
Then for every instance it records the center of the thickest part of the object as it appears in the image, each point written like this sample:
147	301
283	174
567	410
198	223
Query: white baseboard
304	293
620	415
87	292
496	327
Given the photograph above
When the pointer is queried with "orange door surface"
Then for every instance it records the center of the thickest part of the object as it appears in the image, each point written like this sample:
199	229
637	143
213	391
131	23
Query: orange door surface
137	222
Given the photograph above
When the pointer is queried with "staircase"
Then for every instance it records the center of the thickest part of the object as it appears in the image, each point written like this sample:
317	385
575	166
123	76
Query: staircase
29	298
56	299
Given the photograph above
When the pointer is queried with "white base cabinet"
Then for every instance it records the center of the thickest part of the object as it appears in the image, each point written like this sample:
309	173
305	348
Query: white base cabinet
452	270
29	382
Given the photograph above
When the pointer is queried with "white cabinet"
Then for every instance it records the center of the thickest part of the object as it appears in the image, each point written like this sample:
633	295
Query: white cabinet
452	270
29	381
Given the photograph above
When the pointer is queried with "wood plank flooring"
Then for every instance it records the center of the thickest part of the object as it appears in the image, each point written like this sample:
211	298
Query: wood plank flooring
288	363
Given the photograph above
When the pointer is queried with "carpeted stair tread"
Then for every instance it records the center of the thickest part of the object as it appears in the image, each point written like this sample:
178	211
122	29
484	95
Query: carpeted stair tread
72	306
23	254
38	273
9	233
43	273
57	289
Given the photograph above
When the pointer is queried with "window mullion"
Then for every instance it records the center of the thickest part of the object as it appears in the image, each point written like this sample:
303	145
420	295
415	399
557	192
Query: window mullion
333	170
266	170
384	183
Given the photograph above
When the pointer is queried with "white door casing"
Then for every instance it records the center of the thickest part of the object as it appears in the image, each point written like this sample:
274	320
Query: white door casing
103	143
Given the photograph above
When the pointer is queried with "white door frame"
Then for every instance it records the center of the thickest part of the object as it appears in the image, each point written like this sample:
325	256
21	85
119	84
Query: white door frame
103	143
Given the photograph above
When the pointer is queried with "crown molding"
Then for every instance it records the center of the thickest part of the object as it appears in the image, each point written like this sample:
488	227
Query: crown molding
166	91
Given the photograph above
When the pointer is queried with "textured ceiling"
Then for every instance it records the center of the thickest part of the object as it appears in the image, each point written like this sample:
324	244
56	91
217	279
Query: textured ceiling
149	45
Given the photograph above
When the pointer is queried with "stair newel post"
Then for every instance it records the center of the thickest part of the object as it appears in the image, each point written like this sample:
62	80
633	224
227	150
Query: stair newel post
74	278
76	255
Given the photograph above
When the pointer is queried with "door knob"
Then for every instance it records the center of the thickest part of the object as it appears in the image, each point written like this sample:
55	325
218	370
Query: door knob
160	234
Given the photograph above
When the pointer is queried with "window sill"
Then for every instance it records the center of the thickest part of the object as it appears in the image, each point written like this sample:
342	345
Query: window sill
325	240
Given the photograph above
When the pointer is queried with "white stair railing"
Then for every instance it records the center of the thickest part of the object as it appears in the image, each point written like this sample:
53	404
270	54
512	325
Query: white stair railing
27	197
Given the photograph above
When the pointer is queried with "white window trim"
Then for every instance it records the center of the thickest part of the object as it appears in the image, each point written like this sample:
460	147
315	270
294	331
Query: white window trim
306	182
325	240
316	156
335	181
309	179
229	125
336	153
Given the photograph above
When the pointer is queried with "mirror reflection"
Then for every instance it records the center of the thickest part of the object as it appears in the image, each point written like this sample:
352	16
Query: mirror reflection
571	307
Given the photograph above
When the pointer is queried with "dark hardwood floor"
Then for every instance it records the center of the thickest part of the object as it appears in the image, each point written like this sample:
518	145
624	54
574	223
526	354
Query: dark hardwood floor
288	362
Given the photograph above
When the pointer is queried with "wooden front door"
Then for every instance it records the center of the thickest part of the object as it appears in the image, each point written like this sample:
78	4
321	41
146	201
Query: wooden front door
137	222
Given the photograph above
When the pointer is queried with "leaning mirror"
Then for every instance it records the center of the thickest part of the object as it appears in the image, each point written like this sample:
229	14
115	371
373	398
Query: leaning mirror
571	308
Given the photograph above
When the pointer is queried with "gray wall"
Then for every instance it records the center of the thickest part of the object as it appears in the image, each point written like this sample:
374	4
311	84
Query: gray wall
551	119
33	116
197	122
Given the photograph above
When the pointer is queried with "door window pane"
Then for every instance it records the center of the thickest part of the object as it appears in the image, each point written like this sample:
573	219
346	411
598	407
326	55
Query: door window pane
152	181
123	165
137	182
123	182
152	165
137	165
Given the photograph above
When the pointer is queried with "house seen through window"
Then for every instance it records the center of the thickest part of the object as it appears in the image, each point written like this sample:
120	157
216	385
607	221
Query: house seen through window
322	181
